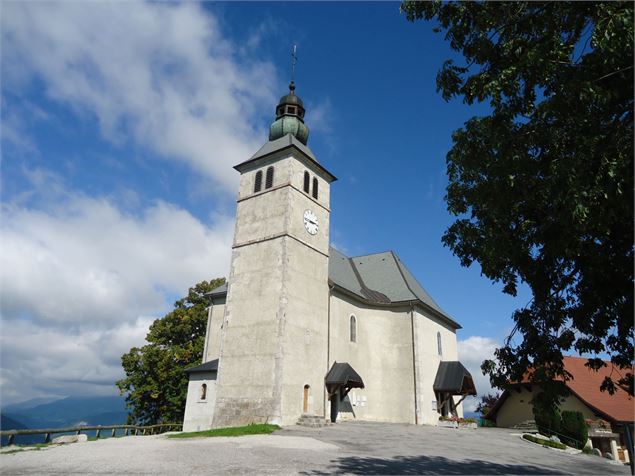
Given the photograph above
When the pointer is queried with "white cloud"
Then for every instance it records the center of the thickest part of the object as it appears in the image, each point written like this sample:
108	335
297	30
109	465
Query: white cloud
472	352
57	362
79	278
160	74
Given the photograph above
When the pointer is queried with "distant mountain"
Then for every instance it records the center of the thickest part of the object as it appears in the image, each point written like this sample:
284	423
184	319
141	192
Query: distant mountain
17	407
70	411
8	423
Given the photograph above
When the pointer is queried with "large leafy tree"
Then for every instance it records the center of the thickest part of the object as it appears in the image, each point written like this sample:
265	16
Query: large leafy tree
542	186
156	384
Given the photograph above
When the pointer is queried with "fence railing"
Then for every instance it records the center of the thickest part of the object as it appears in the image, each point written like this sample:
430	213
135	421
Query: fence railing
128	430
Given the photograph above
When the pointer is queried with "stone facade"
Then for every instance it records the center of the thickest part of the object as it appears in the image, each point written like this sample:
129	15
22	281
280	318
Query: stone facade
283	322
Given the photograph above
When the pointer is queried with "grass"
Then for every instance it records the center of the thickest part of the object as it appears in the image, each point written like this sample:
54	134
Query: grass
253	429
20	448
545	443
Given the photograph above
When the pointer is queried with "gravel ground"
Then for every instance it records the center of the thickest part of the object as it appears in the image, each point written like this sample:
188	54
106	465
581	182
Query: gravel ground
353	448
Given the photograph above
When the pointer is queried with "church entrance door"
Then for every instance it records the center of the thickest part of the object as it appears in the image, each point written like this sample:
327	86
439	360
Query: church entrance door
305	401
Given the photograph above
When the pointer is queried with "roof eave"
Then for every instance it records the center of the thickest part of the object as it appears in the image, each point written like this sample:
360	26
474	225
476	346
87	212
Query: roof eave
240	167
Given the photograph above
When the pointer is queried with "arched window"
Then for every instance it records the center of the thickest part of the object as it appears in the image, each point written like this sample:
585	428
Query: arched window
307	182
439	348
258	181
353	329
269	178
315	188
203	391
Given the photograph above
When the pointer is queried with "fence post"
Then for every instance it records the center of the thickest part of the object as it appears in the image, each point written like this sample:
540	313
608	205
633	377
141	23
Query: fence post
11	440
112	435
47	438
98	433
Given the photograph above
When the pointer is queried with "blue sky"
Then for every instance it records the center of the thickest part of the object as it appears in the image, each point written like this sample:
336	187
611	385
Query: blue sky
120	126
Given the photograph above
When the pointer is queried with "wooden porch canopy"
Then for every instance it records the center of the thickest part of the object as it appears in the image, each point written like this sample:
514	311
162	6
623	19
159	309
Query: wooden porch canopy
453	379
342	377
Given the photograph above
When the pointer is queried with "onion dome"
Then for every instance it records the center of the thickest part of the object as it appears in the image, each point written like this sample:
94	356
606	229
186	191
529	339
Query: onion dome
289	118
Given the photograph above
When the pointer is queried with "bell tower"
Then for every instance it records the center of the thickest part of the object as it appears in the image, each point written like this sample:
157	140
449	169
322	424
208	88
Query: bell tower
273	351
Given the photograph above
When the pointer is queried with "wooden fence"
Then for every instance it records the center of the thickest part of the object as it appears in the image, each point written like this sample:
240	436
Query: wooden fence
127	430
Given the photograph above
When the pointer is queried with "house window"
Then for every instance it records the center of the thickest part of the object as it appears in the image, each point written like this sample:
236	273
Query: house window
439	348
315	188
307	182
203	391
269	178
258	181
353	329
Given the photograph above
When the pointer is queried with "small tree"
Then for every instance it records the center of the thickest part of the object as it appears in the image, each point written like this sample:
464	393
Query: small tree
155	384
574	429
546	413
486	403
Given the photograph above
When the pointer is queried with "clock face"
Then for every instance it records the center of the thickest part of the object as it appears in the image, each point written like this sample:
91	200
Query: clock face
310	222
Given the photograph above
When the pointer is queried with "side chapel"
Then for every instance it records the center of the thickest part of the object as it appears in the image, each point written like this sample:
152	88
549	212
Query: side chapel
301	331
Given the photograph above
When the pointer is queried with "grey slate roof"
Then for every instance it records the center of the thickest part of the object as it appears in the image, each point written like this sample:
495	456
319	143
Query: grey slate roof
285	142
342	374
453	377
211	366
380	279
220	290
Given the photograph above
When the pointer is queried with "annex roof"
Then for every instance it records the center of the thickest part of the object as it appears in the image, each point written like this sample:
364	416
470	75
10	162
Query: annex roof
211	366
453	377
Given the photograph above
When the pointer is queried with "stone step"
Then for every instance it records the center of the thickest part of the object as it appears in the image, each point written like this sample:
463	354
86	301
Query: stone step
525	425
312	421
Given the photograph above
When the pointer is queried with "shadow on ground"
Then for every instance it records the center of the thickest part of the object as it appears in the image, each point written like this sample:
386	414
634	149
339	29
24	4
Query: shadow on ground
425	465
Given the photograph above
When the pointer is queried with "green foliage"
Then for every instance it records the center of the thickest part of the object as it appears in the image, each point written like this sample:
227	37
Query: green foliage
542	187
253	429
574	429
543	442
546	413
155	384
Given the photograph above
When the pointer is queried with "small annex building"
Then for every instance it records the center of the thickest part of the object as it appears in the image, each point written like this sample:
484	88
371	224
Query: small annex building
301	329
606	414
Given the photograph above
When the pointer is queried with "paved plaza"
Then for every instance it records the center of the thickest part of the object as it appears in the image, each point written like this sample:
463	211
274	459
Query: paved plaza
350	447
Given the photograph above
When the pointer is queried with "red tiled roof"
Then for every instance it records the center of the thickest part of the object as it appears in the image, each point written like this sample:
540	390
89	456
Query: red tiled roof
585	384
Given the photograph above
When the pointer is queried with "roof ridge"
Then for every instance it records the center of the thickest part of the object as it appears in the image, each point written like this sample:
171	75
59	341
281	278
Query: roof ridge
372	254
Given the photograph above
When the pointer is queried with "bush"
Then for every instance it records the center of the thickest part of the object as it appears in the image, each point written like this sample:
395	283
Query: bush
543	442
548	421
574	429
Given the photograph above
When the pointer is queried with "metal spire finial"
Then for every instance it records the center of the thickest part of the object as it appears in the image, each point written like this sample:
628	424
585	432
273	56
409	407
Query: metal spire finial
294	60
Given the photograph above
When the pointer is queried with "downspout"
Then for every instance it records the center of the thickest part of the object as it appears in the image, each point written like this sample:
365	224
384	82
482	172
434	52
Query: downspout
328	342
414	359
209	325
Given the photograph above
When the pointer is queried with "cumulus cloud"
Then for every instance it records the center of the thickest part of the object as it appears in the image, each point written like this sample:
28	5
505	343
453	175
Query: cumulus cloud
160	74
472	352
79	278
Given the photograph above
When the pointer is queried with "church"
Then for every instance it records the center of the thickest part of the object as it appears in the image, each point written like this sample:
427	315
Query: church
301	332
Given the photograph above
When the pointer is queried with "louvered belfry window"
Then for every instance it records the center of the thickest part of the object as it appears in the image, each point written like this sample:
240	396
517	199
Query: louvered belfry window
307	182
315	188
269	178
258	181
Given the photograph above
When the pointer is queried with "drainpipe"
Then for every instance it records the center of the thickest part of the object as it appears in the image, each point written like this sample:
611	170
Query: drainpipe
414	359
328	343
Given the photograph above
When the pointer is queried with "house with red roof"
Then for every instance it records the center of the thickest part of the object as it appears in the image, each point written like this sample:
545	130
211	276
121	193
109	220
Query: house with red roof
606	414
